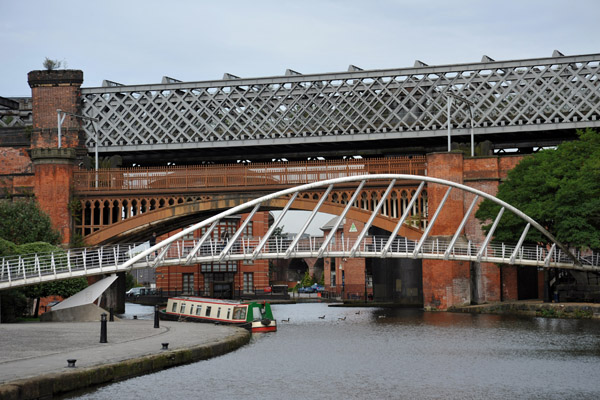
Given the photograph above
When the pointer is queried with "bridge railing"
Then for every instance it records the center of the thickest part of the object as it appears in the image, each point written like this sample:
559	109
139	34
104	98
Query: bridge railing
28	269
281	174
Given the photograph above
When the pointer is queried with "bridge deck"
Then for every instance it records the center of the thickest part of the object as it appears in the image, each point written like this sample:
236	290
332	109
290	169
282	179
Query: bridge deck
35	268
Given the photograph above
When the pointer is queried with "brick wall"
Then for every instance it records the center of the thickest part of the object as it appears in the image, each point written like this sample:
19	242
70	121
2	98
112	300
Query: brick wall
16	171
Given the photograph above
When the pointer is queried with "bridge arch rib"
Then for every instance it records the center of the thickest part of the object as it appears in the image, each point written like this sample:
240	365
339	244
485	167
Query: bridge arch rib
417	249
25	270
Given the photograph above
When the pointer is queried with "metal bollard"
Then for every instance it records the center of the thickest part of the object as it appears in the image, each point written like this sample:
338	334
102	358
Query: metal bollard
103	328
112	314
165	346
71	362
156	323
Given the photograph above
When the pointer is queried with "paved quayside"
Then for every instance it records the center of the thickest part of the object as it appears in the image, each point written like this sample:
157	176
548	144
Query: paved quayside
33	356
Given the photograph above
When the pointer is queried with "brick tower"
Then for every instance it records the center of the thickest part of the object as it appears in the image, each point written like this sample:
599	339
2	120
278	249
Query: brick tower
53	165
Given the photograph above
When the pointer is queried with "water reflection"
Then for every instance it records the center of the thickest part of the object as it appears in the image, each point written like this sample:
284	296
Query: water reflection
137	310
391	354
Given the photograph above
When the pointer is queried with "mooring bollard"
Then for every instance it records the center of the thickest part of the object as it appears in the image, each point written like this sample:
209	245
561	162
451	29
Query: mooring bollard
165	346
156	323
103	328
112	314
135	317
71	362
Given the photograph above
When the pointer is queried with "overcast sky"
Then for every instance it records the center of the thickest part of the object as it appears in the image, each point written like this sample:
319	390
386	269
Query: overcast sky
137	42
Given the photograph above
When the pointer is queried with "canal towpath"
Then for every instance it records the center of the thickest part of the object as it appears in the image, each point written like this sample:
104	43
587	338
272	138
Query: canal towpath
33	356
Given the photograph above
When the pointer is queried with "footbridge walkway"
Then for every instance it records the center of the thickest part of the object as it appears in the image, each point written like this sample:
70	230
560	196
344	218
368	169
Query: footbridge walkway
26	270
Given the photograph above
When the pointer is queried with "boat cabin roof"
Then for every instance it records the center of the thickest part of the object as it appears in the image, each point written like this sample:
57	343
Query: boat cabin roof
208	300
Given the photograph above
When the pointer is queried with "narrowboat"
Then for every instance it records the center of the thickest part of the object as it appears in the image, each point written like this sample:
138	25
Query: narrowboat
254	316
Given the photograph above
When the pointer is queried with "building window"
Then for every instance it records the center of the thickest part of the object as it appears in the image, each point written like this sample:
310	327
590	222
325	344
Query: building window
230	266
248	282
248	230
332	272
188	283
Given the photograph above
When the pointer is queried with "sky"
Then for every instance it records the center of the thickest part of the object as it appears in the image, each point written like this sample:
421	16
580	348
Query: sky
140	41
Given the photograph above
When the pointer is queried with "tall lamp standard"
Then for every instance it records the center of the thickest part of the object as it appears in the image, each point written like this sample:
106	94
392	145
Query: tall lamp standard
61	118
470	104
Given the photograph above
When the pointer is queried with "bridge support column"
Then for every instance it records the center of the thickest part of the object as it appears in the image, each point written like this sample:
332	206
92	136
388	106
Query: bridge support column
114	296
54	159
52	183
446	283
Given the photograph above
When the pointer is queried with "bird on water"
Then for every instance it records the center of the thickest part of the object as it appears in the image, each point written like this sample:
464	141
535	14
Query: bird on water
323	317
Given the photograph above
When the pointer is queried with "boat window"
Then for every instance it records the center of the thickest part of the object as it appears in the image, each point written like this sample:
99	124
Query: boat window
182	309
228	313
191	309
174	309
239	313
256	314
219	312
207	311
199	309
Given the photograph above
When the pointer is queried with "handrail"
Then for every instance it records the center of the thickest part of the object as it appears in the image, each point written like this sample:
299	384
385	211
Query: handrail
241	175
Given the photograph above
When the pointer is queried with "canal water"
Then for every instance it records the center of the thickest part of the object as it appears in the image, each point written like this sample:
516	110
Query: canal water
356	353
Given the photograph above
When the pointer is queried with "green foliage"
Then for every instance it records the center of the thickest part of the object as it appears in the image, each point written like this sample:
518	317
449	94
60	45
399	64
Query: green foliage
307	280
559	188
64	288
76	241
278	232
24	222
130	281
7	248
14	305
571	314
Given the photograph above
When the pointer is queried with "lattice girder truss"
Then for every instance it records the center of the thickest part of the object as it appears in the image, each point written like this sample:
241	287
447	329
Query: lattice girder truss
506	96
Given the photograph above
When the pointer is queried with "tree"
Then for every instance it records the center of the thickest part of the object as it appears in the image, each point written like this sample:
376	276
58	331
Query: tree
24	222
559	188
278	232
307	280
25	229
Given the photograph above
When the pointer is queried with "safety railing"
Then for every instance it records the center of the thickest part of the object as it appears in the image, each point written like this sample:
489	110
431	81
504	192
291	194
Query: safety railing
282	174
29	269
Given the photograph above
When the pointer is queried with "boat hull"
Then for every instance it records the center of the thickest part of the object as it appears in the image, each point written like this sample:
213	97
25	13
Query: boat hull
187	318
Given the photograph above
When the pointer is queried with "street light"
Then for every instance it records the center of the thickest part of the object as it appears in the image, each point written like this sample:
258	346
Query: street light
469	103
61	115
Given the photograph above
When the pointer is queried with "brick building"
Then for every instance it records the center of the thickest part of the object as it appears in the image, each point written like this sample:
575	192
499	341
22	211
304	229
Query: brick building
346	277
221	280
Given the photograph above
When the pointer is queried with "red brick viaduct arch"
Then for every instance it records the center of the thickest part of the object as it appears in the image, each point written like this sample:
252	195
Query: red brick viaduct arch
167	219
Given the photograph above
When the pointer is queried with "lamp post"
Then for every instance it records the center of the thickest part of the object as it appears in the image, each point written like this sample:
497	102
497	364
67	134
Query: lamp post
470	104
61	118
